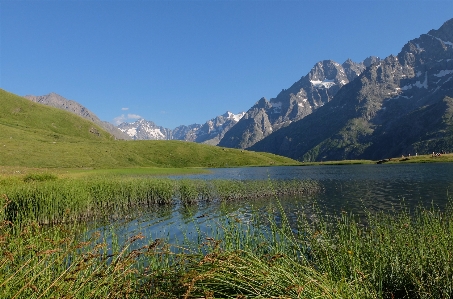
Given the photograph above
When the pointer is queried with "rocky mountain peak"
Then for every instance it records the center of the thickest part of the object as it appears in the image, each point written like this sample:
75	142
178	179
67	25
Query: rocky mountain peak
326	69
445	32
262	103
312	91
370	60
352	69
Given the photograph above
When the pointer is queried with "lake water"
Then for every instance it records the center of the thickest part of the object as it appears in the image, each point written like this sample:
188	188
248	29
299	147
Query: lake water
350	188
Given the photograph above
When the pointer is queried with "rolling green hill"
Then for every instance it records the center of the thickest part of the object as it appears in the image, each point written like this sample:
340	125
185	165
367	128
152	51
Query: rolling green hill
35	135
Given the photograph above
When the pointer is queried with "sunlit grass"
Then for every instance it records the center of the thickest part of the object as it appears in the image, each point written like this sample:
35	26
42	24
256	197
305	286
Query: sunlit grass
406	254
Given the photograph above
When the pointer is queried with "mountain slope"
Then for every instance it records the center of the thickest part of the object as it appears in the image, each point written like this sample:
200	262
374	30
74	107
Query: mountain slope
393	108
60	102
25	120
312	91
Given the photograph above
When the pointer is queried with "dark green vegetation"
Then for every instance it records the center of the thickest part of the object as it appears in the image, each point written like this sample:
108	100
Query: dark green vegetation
34	135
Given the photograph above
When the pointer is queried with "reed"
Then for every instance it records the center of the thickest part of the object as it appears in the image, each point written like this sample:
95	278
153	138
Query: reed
46	199
404	255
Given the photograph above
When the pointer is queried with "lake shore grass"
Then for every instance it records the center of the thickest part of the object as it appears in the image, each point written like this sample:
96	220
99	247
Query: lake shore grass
19	171
404	255
442	158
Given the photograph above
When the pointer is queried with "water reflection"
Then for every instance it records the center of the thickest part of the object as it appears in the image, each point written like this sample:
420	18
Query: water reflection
350	188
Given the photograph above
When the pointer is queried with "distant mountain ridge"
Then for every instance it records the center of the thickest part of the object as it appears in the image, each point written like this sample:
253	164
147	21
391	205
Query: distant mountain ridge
265	117
57	101
399	105
210	133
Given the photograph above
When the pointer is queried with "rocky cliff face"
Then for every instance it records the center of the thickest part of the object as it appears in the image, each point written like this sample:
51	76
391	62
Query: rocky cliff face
60	102
398	105
312	91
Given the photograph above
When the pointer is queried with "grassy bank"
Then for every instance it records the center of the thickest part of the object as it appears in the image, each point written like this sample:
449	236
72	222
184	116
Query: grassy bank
443	158
127	154
407	255
19	172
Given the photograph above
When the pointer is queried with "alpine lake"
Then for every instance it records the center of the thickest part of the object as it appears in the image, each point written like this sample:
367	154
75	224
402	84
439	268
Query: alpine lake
352	189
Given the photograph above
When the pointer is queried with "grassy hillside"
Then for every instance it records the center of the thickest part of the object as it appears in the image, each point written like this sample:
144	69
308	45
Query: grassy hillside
35	135
21	119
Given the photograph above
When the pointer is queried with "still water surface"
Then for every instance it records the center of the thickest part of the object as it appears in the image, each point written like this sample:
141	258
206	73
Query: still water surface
351	188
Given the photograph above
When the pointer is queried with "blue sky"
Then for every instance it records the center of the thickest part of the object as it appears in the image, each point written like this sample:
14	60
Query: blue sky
184	62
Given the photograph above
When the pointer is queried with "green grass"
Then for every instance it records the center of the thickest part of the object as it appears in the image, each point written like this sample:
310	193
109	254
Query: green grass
23	120
127	154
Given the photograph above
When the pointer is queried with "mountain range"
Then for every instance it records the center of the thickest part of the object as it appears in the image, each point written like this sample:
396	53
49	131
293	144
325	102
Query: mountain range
302	98
210	132
311	92
400	105
374	109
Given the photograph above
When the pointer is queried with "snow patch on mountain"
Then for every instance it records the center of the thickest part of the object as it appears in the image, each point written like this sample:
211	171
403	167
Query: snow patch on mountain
444	42
326	83
235	117
443	73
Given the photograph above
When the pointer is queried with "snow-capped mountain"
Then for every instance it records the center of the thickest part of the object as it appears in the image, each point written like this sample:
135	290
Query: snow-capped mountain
145	130
312	91
211	132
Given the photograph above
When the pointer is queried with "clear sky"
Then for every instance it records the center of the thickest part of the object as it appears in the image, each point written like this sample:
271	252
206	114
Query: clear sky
184	62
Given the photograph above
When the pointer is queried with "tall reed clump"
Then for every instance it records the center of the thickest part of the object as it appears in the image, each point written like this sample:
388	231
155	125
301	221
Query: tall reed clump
47	200
66	200
400	256
54	262
407	255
